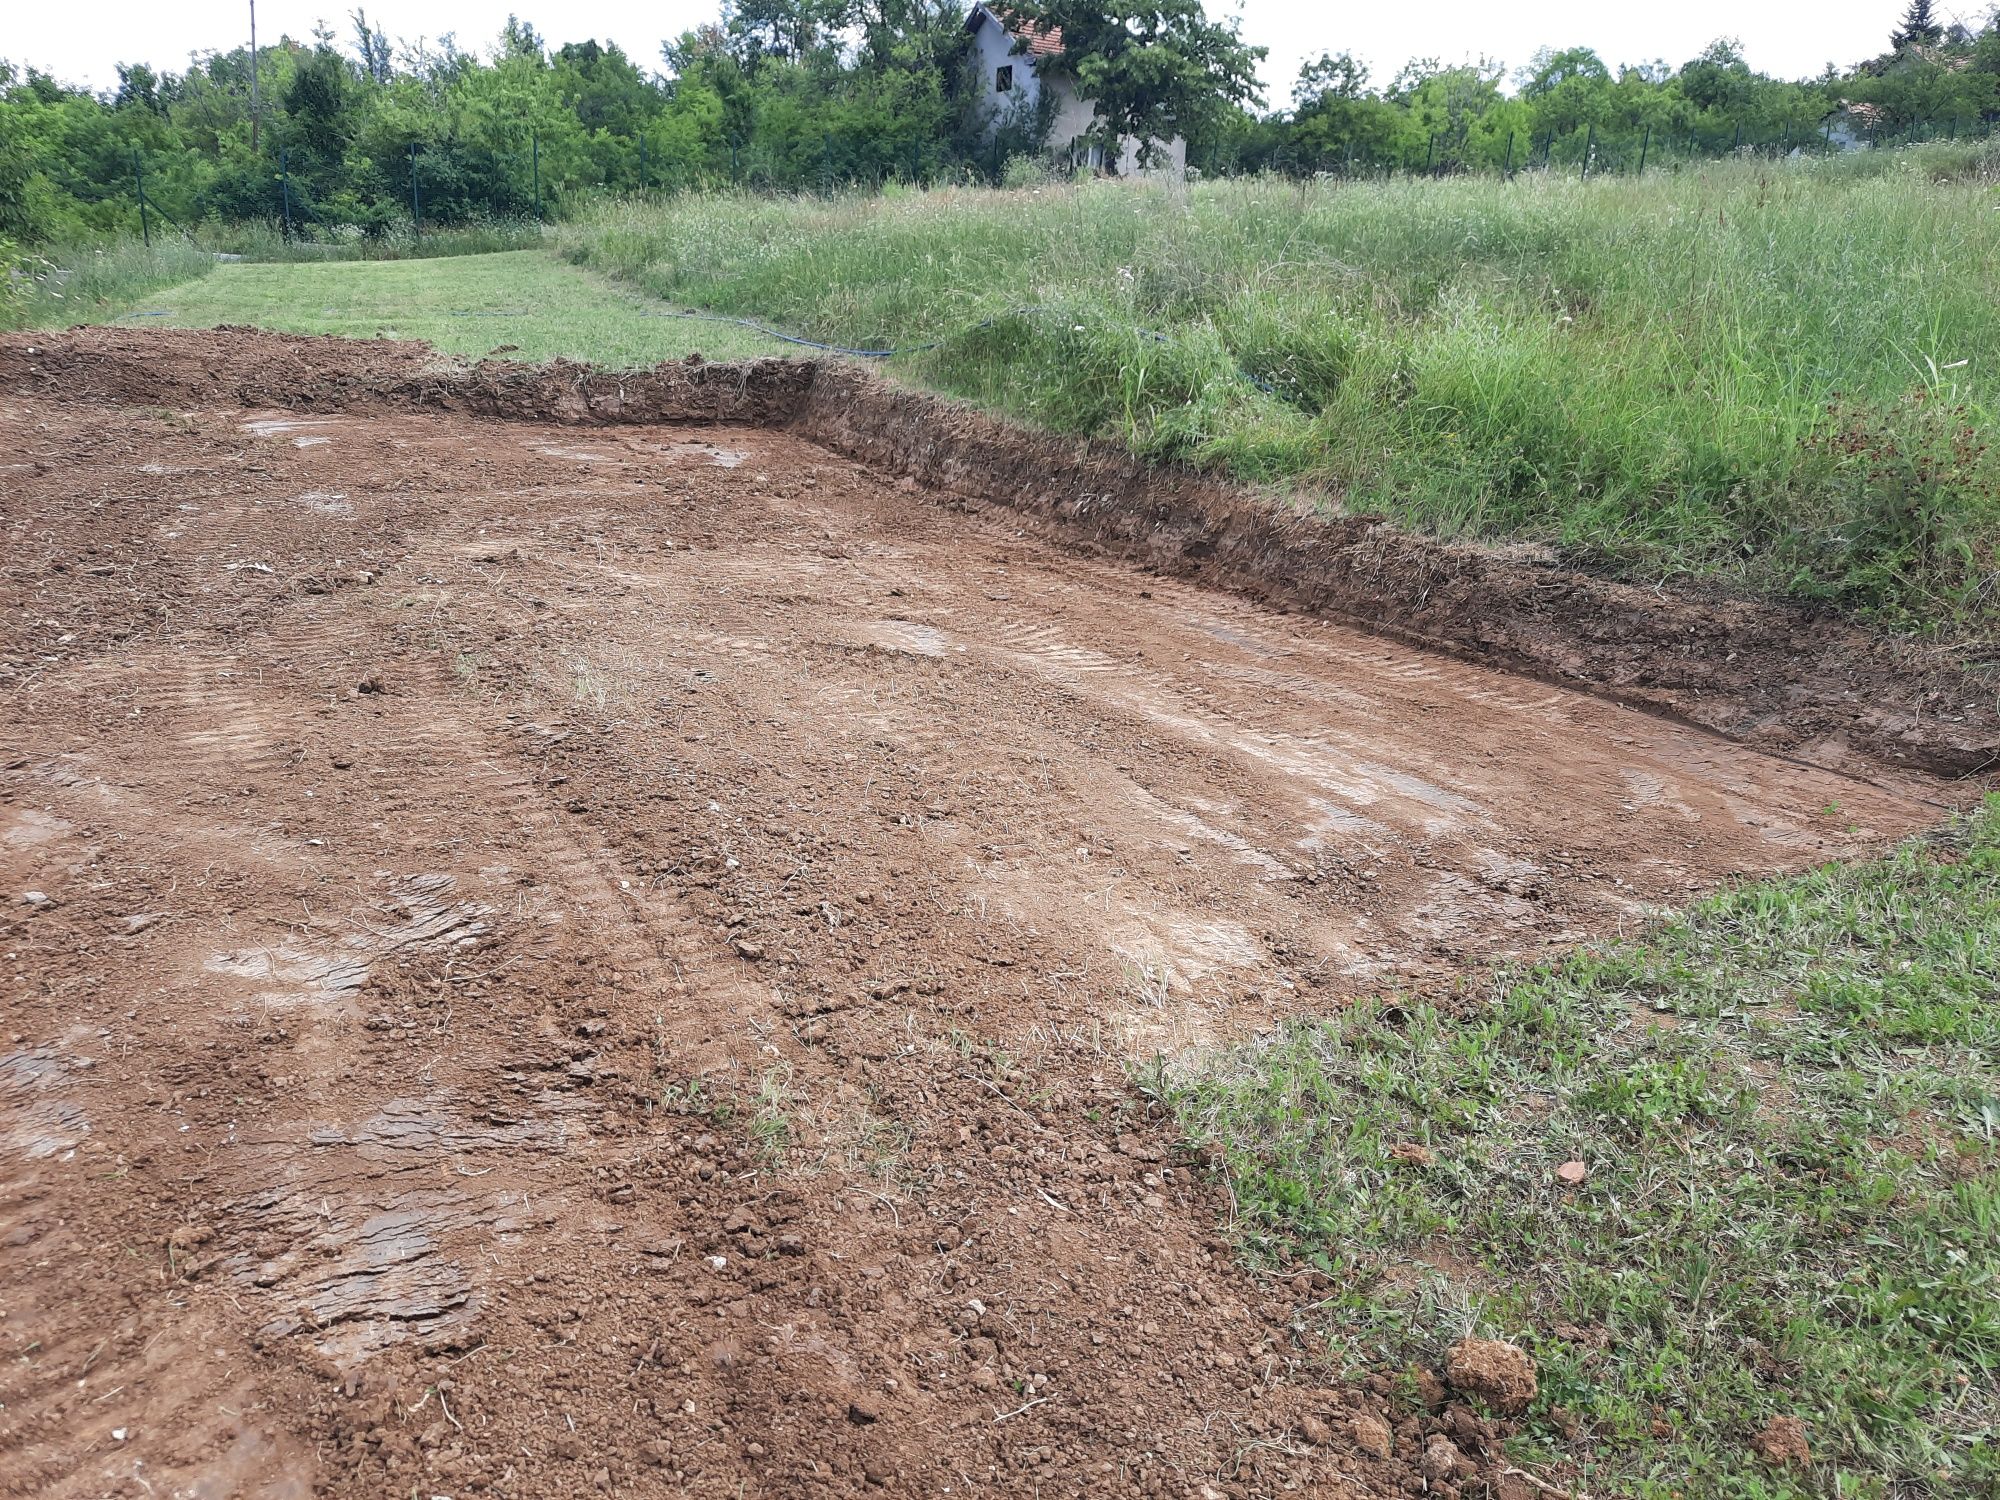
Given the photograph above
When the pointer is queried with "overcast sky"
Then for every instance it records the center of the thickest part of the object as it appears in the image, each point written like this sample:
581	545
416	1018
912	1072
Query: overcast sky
1792	38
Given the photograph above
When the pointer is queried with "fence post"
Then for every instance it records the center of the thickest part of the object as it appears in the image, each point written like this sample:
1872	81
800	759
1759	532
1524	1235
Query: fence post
1644	147
1508	170
535	146
1430	152
416	198
139	175
1589	147
285	187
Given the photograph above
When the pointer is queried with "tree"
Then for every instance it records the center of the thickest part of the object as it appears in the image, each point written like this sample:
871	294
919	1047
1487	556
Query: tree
1566	89
314	108
1719	80
915	36
1155	69
373	45
1336	75
518	39
137	86
1337	120
1919	28
1455	117
785	28
603	88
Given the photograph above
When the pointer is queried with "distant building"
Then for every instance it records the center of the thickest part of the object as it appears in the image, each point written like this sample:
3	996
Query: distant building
1016	83
1853	127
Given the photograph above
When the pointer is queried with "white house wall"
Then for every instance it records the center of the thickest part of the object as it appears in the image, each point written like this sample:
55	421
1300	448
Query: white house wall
994	49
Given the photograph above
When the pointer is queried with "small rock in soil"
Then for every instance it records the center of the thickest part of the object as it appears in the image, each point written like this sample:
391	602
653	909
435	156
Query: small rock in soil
1441	1458
1371	1435
1430	1390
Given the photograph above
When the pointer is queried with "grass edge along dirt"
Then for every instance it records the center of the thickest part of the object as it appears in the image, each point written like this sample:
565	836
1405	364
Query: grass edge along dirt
91	280
1771	374
1786	1102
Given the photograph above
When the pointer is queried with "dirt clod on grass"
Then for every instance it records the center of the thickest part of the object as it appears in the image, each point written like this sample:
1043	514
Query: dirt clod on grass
1499	1374
1781	1443
604	953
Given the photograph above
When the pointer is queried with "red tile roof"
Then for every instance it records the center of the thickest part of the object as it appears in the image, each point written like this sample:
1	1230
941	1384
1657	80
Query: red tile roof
1038	41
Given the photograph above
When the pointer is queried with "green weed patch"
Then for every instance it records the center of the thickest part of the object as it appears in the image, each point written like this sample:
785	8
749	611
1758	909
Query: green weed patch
1782	1112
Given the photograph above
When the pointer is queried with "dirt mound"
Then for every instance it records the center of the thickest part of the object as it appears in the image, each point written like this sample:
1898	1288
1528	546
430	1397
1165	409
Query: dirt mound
1499	1374
252	367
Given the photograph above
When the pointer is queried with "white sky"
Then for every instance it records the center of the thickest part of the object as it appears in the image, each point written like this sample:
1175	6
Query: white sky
1791	38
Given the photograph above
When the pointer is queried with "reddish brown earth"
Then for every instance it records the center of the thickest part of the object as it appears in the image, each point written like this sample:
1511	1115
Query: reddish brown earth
545	960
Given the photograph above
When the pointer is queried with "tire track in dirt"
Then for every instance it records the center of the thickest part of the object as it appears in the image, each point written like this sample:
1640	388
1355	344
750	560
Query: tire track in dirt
611	968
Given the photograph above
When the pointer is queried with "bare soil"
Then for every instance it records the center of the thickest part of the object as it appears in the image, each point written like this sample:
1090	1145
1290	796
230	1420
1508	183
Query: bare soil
545	958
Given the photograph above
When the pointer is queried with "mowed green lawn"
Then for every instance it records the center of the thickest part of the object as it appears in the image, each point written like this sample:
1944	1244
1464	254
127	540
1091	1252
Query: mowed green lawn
468	305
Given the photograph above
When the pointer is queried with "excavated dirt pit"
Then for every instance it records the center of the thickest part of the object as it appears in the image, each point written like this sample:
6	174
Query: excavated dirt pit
547	960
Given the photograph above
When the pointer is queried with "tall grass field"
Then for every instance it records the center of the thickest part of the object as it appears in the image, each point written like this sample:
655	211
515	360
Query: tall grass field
82	282
1775	375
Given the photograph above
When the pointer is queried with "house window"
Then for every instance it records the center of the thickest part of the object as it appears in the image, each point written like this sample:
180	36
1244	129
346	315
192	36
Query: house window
1003	80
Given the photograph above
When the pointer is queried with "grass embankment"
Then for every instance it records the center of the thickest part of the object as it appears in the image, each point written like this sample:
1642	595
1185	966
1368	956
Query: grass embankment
525	301
1786	1107
1774	374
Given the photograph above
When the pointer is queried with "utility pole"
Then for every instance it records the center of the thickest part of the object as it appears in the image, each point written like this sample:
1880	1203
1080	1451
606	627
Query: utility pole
253	77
